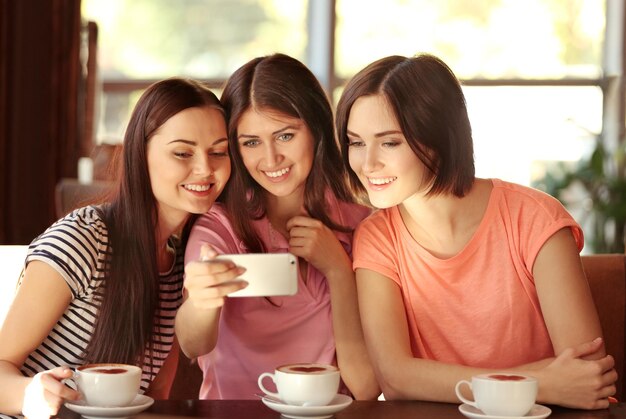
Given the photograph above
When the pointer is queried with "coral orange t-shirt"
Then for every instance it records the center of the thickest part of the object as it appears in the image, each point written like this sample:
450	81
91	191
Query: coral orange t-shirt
480	307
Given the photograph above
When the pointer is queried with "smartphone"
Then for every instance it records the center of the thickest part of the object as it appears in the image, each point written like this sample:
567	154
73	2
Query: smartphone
267	274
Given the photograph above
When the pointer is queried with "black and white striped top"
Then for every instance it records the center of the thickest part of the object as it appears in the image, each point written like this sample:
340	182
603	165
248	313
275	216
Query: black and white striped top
76	247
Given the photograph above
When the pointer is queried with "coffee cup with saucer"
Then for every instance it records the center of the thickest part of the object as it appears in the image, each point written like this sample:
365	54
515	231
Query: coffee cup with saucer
109	390
501	396
304	390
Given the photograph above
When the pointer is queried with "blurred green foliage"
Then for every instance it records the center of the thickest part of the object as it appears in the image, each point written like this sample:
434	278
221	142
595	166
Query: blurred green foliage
596	186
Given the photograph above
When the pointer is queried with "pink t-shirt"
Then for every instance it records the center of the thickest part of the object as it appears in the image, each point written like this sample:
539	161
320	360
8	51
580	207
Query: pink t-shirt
480	307
257	335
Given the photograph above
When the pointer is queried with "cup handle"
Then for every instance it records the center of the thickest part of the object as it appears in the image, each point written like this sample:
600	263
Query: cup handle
460	396
266	391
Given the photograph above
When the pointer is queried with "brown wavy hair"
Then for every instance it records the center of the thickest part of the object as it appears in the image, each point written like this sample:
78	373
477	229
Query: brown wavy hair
281	84
125	325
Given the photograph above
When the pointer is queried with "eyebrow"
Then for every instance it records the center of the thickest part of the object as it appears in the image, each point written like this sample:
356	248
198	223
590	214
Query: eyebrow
194	143
288	127
377	135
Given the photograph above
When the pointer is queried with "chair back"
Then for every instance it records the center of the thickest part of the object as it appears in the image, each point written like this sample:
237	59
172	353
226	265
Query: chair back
606	274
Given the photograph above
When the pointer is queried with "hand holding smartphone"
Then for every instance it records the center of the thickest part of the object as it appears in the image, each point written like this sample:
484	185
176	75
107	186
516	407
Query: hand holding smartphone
267	274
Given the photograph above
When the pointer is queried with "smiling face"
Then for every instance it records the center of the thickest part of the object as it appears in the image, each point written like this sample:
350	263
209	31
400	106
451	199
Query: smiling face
277	151
379	153
188	162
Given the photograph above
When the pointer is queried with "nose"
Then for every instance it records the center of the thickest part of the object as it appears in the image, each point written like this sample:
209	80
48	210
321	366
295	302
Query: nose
271	154
202	166
371	161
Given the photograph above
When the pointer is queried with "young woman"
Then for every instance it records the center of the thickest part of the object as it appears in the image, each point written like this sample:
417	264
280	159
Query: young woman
458	275
288	193
103	283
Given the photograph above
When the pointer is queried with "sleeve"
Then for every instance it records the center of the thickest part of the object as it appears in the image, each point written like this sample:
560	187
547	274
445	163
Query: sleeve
213	228
374	249
539	220
76	247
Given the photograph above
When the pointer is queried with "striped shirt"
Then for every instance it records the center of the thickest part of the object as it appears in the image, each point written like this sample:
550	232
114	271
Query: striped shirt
76	247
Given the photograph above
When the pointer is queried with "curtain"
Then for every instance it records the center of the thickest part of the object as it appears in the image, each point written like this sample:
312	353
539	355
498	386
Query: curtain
40	118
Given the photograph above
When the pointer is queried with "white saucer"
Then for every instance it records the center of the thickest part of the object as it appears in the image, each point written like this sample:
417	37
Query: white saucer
139	404
537	412
340	402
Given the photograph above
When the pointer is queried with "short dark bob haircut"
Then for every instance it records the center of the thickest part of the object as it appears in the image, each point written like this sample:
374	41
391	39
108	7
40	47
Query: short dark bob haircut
427	101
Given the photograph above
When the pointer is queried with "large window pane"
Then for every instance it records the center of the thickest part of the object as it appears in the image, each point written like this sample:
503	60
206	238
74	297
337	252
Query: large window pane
153	39
477	38
519	132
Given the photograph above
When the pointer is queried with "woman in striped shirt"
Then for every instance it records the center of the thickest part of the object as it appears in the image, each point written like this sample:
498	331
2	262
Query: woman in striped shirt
103	283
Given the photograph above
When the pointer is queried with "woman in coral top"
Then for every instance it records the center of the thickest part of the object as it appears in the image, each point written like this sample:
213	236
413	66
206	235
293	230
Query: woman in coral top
288	193
458	275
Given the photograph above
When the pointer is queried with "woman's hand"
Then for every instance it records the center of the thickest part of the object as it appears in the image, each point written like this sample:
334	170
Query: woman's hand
572	381
311	240
46	393
208	282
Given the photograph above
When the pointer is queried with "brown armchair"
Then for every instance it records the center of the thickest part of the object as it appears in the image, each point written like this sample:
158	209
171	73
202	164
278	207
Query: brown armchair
606	274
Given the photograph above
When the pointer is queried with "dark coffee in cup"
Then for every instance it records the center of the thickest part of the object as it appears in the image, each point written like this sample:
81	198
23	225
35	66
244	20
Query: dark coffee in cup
109	370
307	368
507	377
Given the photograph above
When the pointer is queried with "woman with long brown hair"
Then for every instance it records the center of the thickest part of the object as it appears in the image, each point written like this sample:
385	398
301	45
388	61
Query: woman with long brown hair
288	193
103	283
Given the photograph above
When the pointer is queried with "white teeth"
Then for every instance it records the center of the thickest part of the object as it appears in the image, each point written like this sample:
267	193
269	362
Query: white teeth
197	188
382	181
277	173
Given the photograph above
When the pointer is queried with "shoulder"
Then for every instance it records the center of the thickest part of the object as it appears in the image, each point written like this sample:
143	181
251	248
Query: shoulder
381	222
527	200
84	225
214	228
348	214
76	246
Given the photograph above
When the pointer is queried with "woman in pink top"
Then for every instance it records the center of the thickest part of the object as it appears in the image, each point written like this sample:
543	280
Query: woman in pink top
458	275
288	193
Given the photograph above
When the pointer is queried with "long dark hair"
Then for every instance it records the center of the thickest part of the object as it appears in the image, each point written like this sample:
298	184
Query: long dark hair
428	102
125	325
283	84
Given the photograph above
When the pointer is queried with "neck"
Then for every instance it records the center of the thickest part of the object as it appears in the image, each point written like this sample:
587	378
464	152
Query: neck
444	224
280	209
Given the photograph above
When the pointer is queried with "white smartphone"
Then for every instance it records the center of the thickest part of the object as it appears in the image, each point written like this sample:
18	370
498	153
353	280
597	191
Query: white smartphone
267	274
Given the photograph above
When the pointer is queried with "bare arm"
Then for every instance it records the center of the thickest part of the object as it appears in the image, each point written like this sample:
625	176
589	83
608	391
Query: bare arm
568	380
39	303
204	291
318	245
571	319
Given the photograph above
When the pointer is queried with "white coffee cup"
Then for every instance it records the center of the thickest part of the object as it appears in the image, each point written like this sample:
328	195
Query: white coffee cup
304	384
501	394
108	385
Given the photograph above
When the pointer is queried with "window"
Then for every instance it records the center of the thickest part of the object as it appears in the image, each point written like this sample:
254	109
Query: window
531	70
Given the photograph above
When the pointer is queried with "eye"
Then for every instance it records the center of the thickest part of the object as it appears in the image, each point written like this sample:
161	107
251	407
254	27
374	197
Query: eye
182	154
355	143
250	143
218	153
390	144
285	137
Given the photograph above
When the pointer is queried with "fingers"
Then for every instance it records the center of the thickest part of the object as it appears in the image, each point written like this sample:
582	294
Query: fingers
60	373
207	252
303	221
587	348
51	383
214	297
606	364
